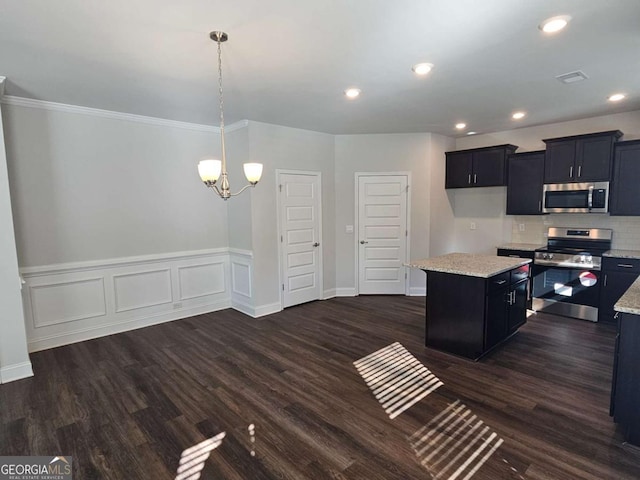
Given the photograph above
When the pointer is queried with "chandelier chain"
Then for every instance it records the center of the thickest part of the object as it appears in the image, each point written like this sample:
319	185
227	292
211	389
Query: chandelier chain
220	84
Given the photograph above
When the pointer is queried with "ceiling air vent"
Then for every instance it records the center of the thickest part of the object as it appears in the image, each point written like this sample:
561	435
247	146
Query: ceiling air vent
572	77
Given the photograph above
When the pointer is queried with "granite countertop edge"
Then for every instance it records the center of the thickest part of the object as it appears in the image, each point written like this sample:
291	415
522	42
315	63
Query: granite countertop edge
622	253
630	301
486	266
528	247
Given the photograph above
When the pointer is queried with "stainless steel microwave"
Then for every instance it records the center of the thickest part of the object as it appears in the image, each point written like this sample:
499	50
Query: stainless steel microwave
576	198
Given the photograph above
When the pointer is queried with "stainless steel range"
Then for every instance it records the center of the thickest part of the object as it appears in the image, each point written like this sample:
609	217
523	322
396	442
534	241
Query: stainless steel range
566	274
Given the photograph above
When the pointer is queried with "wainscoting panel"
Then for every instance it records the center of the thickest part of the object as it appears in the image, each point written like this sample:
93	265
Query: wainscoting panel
241	262
57	302
74	302
201	280
142	289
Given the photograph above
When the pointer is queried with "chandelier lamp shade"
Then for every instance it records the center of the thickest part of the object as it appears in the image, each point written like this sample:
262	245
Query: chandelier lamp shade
214	172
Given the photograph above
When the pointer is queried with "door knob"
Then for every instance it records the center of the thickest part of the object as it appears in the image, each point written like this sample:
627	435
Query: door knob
362	242
316	244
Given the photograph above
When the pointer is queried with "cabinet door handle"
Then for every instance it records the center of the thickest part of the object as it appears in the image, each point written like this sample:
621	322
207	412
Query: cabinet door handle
605	279
475	178
625	265
316	244
469	182
362	242
579	171
514	256
500	282
571	171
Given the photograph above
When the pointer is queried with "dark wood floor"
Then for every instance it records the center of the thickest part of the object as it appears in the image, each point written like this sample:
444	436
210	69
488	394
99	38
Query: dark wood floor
127	406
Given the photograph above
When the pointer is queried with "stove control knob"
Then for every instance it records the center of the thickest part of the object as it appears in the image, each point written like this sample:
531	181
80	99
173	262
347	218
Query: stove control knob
545	256
550	256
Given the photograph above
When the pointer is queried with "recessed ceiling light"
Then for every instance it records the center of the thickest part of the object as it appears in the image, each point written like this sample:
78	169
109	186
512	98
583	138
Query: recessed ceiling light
471	133
616	97
518	115
554	24
352	92
422	68
460	126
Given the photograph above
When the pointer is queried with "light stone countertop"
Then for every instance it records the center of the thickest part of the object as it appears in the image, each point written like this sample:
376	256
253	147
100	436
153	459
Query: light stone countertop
630	301
529	247
622	253
470	264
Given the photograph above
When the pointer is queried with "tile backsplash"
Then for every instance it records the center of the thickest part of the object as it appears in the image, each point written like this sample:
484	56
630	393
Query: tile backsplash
626	230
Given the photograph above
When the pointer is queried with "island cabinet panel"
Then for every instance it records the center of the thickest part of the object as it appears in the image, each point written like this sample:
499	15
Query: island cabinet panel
468	316
455	314
625	395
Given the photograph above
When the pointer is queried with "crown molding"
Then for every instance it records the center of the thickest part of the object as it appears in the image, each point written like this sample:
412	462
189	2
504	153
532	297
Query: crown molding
232	127
130	117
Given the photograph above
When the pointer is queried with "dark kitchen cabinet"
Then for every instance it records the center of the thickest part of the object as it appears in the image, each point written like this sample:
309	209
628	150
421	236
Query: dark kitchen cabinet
478	167
580	158
506	312
530	254
525	179
618	274
486	313
625	186
625	389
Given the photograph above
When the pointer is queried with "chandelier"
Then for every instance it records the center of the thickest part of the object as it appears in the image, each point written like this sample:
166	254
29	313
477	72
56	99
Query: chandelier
212	170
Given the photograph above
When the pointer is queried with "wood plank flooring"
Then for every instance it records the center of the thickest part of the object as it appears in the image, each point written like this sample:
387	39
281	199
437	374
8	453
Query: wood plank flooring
292	405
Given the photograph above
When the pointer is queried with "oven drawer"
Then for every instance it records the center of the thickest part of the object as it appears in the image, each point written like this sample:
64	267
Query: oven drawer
520	273
619	264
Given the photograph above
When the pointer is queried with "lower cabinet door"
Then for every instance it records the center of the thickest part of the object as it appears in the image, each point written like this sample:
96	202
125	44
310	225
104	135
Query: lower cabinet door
518	306
496	318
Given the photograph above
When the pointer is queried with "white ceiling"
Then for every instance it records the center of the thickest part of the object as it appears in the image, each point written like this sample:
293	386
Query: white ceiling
287	62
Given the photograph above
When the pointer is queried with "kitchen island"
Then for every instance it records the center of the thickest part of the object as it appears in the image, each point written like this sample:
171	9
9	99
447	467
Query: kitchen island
625	390
474	302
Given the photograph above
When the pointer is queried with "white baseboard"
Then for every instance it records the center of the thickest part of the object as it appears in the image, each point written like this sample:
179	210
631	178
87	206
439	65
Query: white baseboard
59	340
418	291
243	307
268	309
18	371
330	293
346	292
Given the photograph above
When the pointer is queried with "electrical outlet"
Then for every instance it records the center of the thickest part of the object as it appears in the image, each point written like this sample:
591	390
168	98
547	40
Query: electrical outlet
176	306
521	227
472	226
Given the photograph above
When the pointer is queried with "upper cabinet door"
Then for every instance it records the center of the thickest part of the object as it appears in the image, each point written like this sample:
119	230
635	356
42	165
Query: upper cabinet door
489	168
625	189
593	159
525	182
580	158
559	164
478	167
459	170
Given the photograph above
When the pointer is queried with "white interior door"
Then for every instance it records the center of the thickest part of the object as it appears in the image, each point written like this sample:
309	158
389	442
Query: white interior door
300	237
382	234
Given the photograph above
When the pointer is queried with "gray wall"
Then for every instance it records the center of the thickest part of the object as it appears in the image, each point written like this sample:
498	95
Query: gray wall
381	153
293	149
85	187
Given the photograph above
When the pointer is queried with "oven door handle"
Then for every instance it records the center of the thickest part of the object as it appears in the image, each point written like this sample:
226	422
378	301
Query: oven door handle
590	198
